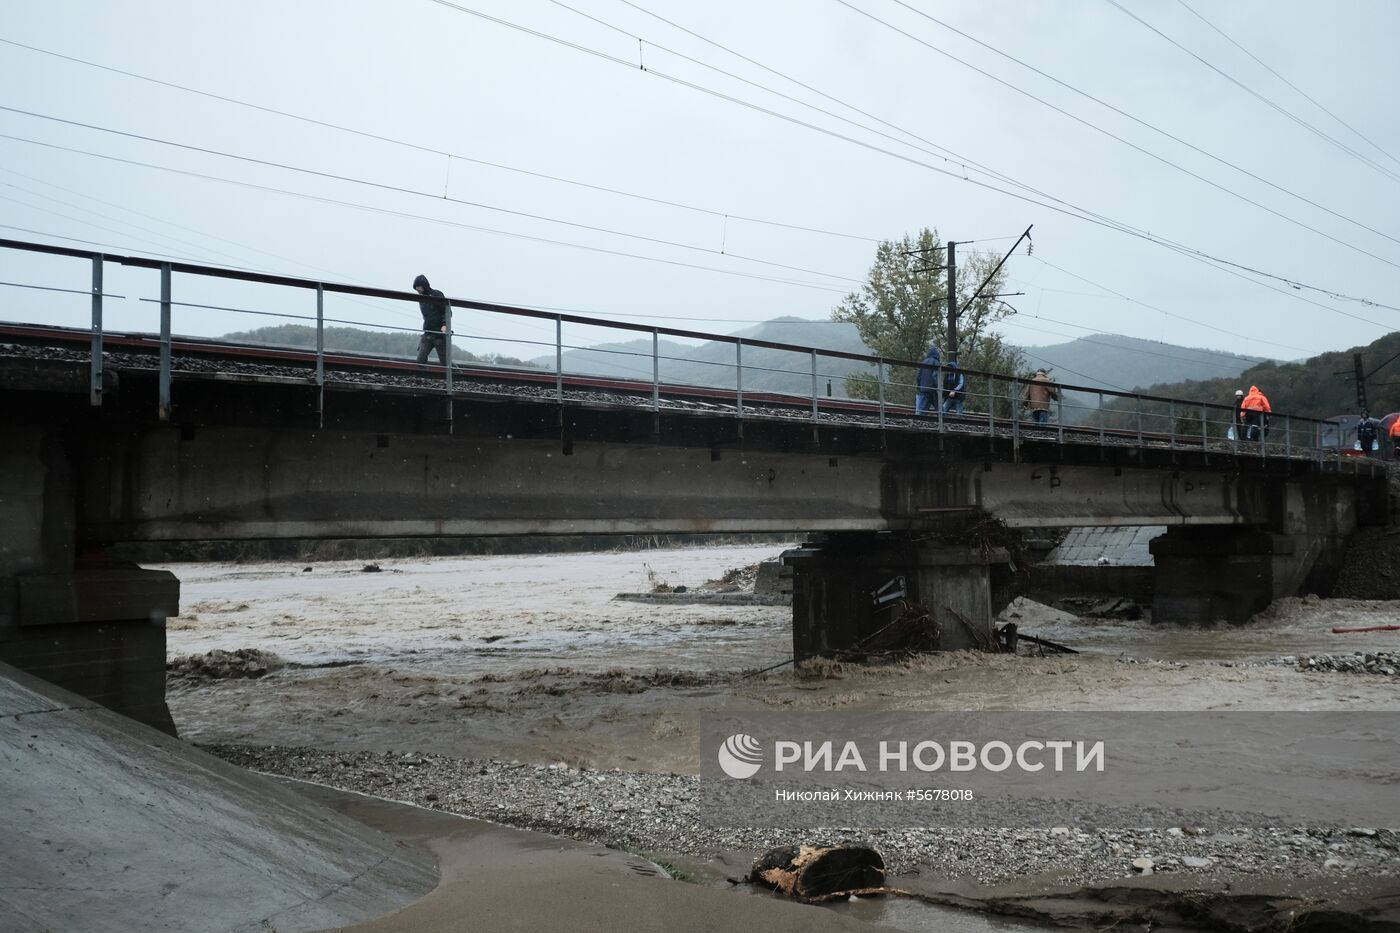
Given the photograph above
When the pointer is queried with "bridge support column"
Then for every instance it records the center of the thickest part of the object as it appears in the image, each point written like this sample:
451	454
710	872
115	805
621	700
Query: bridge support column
97	629
836	583
1204	575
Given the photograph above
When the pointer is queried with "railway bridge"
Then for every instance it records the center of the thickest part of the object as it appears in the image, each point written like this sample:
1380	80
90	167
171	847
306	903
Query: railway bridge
120	437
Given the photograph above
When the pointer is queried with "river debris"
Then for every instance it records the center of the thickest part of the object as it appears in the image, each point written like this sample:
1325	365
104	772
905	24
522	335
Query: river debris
220	664
1096	607
814	873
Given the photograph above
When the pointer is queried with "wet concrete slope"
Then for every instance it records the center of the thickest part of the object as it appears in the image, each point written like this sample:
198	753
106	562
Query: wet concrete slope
108	825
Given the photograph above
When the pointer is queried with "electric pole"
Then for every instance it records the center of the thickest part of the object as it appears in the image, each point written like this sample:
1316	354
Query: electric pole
952	351
1360	384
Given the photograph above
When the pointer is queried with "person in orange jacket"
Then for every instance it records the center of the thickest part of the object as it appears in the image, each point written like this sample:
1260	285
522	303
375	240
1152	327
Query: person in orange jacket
1395	436
1256	413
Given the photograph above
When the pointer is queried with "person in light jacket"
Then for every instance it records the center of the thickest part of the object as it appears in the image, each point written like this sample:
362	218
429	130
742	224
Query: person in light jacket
1040	392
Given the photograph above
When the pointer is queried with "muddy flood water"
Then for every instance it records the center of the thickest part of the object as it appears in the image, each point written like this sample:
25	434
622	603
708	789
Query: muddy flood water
532	657
531	662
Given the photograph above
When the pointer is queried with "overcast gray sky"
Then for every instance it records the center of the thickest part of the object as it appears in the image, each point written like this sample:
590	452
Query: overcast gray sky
932	142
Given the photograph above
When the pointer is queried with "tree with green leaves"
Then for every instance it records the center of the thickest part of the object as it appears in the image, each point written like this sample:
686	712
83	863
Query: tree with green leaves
902	310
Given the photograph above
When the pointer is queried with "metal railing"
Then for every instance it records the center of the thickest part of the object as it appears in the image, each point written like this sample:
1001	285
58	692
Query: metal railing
994	404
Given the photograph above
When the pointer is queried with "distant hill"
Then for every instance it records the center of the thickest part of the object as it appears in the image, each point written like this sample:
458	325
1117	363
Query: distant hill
712	363
1111	362
1127	363
1311	387
1098	360
358	340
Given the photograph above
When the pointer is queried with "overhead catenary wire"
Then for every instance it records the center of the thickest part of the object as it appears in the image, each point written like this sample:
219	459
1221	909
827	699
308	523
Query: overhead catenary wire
1134	146
1172	314
1341	297
400	189
461	157
1154	128
1050	202
421	217
1111	224
1304	94
1257	96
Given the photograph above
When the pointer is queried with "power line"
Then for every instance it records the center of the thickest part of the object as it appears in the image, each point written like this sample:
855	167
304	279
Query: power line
1309	98
1134	350
442	152
1141	122
1134	146
169	223
1260	97
399	189
1172	314
412	216
937	148
1074	211
1051	203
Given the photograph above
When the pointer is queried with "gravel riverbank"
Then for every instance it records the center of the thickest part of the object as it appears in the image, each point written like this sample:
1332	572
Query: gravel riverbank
658	814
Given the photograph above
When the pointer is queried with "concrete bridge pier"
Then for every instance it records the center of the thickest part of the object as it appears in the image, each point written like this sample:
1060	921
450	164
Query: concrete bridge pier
1206	574
93	627
845	588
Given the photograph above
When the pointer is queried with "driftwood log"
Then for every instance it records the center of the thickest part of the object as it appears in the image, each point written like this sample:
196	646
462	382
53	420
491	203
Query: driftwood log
818	873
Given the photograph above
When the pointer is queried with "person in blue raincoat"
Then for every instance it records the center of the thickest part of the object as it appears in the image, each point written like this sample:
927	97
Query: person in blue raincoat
953	383
926	398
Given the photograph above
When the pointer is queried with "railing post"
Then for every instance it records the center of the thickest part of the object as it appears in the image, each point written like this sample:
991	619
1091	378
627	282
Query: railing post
320	355
1100	418
559	358
655	370
1205	426
1059	416
739	376
815	389
1171	424
880	379
1138	400
991	414
1015	421
938	396
447	355
1288	437
95	382
163	399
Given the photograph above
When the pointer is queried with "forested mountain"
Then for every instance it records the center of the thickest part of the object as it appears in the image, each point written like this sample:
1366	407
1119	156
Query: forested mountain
1311	387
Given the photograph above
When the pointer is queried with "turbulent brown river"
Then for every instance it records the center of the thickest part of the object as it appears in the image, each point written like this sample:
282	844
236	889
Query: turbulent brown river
531	657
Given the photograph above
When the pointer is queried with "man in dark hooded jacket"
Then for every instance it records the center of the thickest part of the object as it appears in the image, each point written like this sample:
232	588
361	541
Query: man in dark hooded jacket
926	396
436	315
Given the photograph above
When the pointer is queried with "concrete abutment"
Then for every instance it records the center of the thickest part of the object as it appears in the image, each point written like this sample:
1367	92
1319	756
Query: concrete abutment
1206	574
92	627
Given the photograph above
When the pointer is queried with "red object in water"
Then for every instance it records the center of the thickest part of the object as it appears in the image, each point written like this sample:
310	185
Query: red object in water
1369	628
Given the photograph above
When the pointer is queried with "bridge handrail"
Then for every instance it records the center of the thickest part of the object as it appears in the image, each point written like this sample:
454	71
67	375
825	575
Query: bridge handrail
880	362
